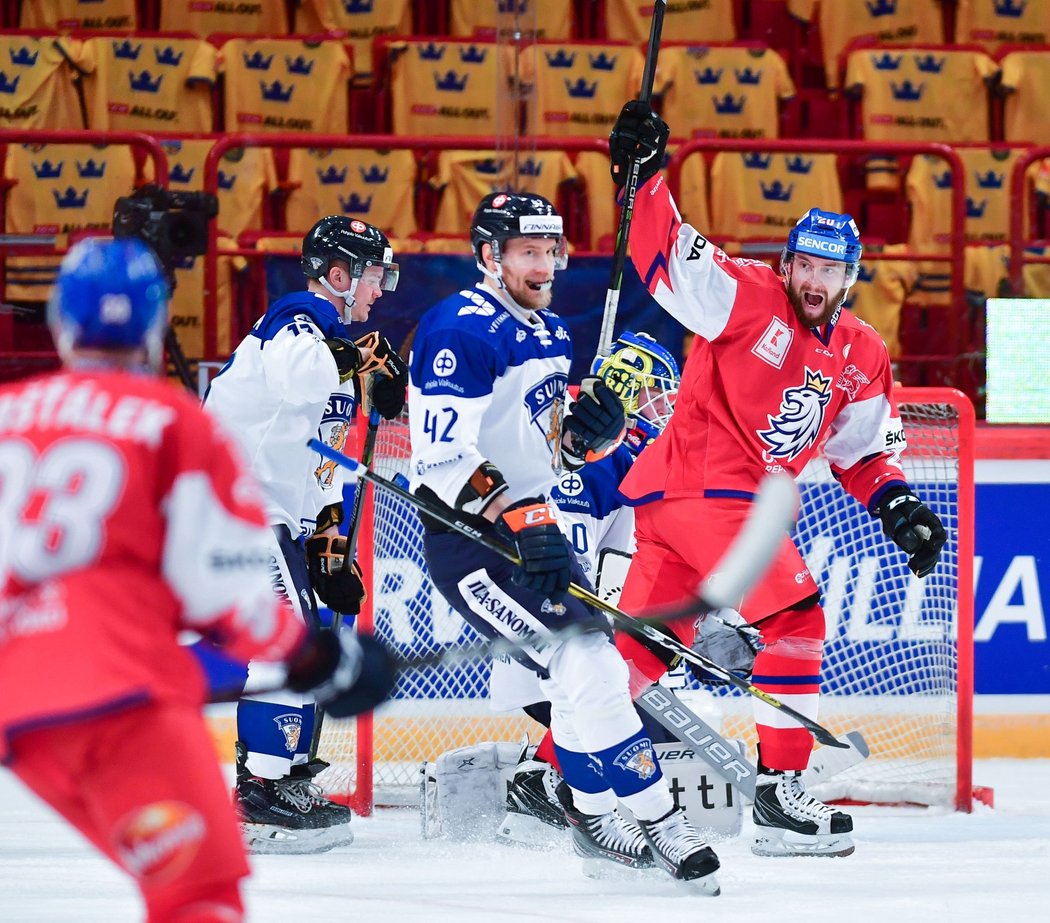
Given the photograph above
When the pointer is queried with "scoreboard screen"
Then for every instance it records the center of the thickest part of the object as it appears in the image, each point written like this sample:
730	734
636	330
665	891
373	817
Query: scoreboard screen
1018	366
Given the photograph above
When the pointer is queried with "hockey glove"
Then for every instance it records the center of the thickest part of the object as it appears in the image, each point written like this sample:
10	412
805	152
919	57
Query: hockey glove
728	641
347	674
639	134
347	357
339	584
596	425
387	392
546	562
914	527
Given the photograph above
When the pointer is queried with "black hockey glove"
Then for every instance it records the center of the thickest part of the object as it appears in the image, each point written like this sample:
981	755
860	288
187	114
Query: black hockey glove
914	527
347	357
546	562
347	674
338	583
639	134
596	424
387	392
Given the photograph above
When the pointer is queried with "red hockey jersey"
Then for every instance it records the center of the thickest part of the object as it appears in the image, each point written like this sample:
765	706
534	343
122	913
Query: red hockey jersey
760	392
125	517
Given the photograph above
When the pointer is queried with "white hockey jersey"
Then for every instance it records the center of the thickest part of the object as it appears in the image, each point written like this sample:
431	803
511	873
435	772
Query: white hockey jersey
280	389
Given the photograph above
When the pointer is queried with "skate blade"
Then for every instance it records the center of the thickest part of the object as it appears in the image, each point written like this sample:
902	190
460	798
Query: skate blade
526	832
269	840
828	845
707	886
610	870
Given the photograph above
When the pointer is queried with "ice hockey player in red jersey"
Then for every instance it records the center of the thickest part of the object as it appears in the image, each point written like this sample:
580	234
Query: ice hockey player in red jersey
127	516
778	369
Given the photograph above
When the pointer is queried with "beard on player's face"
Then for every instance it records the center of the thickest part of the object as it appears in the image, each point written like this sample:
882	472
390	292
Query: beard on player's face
815	288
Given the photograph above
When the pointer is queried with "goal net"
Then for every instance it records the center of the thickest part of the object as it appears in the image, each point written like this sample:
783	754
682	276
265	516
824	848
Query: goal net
898	658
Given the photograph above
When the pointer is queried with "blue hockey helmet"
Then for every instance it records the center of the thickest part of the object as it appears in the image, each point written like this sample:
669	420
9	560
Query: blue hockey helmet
109	294
644	376
827	235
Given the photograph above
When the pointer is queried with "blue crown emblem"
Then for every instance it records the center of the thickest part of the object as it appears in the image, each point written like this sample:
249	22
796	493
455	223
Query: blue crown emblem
776	191
332	176
799	164
756	161
179	174
450	82
126	50
374	174
907	91
431	52
358	6
257	61
928	64
90	169
171	145
975	209
561	58
8	86
22	57
881	7
168	56
748	77
729	104
1009	8
943	180
708	76
69	198
488	167
354	204
990	180
143	84
511	6
226	180
864	274
581	89
299	65
276	92
530	167
48	170
602	62
472	55
887	61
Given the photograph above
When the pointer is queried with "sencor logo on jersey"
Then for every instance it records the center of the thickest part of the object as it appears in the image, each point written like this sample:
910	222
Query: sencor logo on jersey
545	402
801	416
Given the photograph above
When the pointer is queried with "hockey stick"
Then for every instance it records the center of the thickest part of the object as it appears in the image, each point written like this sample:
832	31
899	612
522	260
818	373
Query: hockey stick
630	190
353	530
744	562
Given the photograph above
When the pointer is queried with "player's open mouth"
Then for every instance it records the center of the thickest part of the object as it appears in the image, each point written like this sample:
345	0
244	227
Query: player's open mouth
540	286
813	300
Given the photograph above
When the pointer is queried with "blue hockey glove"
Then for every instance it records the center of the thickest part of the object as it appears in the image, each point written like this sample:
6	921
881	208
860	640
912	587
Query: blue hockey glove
347	674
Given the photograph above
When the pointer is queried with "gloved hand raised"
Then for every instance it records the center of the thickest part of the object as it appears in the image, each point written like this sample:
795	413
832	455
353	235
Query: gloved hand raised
914	527
596	424
546	561
391	375
347	674
639	134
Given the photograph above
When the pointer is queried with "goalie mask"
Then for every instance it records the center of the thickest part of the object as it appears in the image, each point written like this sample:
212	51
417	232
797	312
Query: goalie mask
358	244
501	216
644	376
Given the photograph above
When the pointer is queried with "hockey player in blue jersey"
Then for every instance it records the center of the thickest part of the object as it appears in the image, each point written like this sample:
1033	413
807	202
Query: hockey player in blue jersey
490	434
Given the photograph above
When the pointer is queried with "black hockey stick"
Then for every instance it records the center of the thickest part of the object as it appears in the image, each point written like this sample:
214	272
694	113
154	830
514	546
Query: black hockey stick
744	562
630	190
352	531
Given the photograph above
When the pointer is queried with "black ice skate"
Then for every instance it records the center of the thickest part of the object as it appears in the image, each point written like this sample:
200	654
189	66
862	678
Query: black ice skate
534	814
603	838
788	822
287	815
679	850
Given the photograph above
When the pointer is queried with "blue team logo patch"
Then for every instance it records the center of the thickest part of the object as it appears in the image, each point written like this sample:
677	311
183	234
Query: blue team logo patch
638	758
333	431
545	402
800	419
292	727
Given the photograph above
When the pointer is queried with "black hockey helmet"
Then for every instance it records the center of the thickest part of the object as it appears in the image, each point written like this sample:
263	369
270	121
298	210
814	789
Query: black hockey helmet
356	242
501	216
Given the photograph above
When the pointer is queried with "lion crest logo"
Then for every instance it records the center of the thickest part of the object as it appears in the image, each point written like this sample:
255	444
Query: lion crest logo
796	427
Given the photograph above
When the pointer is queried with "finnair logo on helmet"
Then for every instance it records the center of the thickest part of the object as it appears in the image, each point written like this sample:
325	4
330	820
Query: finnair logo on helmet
821	245
537	224
388	254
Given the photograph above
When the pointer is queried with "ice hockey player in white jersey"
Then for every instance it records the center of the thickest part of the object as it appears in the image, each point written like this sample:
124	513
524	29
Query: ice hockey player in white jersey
293	378
489	374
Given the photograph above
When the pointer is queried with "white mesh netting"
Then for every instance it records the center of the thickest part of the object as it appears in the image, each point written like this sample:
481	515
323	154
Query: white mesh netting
891	665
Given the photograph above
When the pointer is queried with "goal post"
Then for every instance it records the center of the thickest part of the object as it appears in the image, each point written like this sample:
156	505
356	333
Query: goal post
898	657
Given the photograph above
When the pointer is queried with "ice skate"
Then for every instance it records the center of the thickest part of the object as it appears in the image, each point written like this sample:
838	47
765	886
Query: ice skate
789	822
288	816
534	814
601	839
679	850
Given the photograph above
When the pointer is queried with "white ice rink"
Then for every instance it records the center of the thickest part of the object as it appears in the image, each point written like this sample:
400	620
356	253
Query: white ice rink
910	865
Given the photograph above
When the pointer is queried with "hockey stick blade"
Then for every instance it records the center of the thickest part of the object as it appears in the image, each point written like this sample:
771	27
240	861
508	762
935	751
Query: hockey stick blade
777	499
